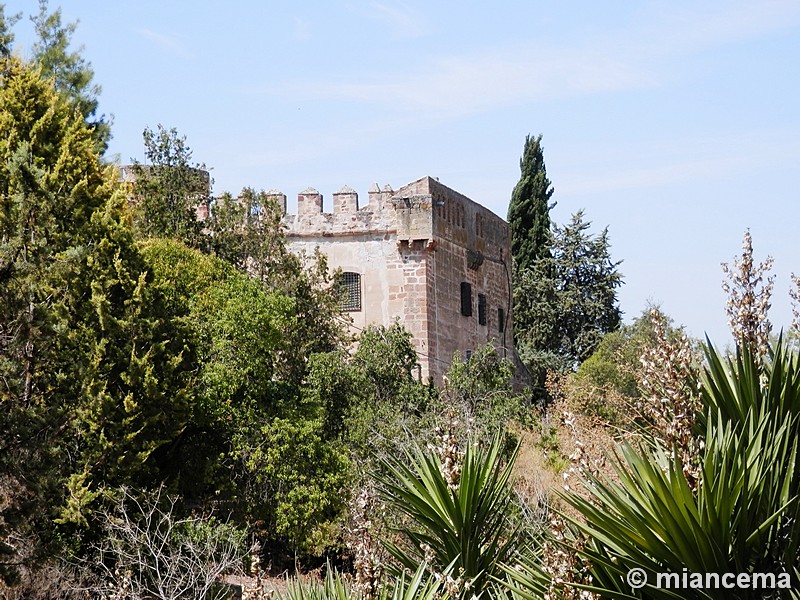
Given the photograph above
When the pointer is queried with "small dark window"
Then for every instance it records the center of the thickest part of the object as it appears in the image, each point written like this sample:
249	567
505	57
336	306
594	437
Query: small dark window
466	299
350	289
501	319
481	309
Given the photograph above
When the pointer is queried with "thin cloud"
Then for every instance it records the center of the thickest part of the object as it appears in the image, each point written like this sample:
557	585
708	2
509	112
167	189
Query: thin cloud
403	20
458	85
712	159
165	41
700	27
307	145
464	85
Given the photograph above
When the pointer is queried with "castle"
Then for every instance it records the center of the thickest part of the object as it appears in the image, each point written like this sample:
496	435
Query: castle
424	254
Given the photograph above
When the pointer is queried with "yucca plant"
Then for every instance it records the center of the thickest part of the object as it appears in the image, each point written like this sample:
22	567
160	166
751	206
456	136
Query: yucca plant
759	400
334	587
457	517
741	518
525	578
338	587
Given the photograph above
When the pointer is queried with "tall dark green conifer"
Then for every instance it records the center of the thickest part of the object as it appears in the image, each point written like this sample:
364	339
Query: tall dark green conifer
529	210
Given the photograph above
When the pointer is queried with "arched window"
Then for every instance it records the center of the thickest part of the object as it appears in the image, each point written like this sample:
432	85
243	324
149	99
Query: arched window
349	284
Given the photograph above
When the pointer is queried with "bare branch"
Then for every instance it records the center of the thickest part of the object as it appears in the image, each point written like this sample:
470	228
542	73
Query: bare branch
150	552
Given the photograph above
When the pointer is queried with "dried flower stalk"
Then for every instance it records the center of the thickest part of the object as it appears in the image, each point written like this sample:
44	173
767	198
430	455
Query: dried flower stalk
749	291
670	396
368	554
794	293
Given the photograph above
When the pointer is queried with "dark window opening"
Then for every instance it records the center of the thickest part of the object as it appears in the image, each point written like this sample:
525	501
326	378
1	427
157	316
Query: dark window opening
466	299
350	291
501	319
481	309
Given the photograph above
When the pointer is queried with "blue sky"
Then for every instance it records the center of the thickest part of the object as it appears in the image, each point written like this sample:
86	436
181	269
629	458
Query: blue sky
676	124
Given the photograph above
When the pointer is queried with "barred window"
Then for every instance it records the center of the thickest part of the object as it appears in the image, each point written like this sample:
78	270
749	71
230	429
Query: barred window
481	309
349	285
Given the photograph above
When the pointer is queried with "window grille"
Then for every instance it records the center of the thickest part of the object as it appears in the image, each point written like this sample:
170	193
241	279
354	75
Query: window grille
349	284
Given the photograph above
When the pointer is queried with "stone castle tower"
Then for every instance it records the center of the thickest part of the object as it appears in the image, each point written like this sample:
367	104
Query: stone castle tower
424	254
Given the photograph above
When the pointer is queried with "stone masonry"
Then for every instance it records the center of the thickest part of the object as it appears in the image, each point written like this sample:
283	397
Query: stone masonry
424	254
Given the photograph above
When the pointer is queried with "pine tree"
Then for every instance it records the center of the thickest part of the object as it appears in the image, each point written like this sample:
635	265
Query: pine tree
567	302
529	210
6	37
586	283
72	74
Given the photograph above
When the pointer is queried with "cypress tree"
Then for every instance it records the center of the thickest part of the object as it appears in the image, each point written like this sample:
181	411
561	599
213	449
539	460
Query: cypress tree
92	377
529	210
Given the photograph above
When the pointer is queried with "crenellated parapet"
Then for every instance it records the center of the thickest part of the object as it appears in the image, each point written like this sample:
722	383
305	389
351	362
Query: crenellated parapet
421	210
348	216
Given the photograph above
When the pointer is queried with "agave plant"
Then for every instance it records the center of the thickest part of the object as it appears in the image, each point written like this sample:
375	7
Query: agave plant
742	518
462	523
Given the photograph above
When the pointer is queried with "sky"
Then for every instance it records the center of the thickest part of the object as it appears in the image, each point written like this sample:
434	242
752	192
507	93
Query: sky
675	124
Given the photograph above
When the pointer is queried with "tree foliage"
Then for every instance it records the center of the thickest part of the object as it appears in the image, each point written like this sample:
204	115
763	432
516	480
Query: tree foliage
257	441
93	378
529	209
610	382
375	391
72	74
246	232
169	188
566	303
6	35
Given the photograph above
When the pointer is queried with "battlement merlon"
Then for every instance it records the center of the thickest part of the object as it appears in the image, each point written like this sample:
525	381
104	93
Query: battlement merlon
278	198
345	200
309	202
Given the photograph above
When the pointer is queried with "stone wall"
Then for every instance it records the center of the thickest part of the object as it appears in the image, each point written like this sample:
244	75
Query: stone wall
469	244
